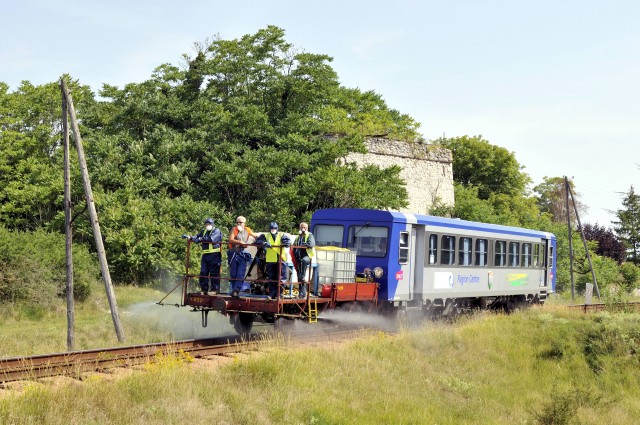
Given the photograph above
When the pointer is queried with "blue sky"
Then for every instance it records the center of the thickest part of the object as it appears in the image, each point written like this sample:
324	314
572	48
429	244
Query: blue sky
554	82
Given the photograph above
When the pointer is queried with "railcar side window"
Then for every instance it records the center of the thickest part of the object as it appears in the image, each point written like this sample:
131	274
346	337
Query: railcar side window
464	251
500	257
536	255
514	254
432	250
526	255
328	235
482	252
368	241
403	253
448	250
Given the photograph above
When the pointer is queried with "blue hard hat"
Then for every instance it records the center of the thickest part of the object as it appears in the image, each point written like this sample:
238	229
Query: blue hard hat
273	225
209	220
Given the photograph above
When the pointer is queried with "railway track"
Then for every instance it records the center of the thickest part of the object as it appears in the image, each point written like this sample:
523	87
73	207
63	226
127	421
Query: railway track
630	306
75	363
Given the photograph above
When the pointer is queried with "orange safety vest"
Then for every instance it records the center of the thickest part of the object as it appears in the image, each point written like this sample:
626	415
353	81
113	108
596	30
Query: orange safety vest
235	232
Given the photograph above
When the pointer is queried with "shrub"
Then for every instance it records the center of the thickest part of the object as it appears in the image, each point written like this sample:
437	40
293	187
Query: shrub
630	274
32	267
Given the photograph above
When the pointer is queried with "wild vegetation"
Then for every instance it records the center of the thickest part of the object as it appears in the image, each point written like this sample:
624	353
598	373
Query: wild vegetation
29	328
540	366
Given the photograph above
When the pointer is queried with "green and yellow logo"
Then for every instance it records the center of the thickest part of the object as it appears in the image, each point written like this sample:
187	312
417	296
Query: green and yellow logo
518	279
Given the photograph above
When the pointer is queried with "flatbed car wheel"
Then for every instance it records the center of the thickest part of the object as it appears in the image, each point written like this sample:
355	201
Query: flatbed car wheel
243	322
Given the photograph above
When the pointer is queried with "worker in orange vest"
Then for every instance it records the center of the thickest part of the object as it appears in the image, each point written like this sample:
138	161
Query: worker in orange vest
238	257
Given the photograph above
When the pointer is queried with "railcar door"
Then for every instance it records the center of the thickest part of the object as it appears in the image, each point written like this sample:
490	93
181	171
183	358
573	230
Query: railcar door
405	274
550	268
546	261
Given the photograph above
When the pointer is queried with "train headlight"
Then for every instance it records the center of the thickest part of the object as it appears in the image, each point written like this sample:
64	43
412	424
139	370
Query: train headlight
377	272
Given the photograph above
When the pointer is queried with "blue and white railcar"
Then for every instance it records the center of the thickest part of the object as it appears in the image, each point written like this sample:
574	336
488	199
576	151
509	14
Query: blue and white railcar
443	265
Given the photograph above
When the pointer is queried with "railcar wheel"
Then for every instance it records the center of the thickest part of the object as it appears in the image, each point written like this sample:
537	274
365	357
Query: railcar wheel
243	322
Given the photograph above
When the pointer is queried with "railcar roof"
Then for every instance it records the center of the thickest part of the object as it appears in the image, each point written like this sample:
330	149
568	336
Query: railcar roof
355	214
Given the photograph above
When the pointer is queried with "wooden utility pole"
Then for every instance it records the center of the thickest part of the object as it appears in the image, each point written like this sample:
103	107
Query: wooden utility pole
566	193
68	231
584	242
93	215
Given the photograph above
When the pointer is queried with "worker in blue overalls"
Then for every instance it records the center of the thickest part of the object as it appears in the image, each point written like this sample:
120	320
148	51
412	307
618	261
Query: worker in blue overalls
277	245
303	253
209	239
238	257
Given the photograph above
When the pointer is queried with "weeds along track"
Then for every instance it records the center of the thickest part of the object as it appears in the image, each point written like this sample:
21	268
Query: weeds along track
588	308
75	363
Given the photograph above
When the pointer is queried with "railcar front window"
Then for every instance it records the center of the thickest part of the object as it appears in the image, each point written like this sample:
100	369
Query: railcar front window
500	258
448	251
514	254
328	235
464	252
403	253
481	252
368	241
433	250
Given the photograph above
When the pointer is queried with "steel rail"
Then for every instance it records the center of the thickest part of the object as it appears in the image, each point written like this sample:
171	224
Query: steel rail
74	363
633	305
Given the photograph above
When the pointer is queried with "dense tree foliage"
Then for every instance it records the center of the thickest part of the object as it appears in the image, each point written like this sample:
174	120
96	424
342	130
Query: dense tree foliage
490	185
492	169
249	126
628	225
609	245
518	210
33	267
30	154
552	199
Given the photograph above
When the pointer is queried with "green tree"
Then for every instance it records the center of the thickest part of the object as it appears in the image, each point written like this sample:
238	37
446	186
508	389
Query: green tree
489	184
609	245
628	225
251	127
492	169
631	275
30	153
552	199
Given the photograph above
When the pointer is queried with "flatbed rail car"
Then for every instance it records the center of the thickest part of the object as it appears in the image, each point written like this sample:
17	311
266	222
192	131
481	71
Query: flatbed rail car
249	307
440	266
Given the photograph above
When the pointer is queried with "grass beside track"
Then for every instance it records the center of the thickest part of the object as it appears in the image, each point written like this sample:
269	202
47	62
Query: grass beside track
26	330
543	365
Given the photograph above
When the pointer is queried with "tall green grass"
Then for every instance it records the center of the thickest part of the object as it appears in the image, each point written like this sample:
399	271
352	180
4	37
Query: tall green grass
28	329
540	366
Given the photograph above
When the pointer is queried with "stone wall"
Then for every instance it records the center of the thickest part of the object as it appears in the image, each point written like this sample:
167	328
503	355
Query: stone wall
427	170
